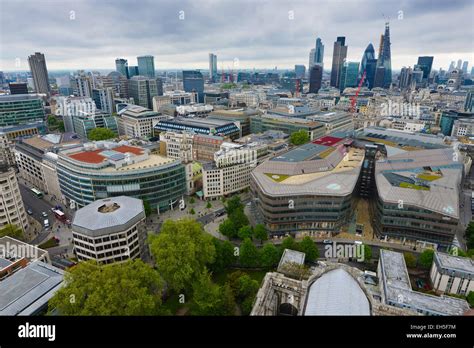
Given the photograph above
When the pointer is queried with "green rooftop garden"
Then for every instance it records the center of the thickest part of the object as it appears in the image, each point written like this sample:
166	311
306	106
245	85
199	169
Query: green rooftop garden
277	177
413	186
429	176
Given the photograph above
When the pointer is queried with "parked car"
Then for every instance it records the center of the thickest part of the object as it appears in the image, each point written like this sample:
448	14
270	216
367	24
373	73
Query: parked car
45	214
29	211
327	241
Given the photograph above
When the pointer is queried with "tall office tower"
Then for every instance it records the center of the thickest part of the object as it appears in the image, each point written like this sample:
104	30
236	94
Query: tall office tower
315	78
300	71
349	73
472	71
82	85
458	66
464	67
425	63
39	71
369	53
104	99
319	52
194	82
212	67
385	56
370	69
311	58
142	89
405	78
379	76
121	66
146	66
451	66
18	88
133	71
338	56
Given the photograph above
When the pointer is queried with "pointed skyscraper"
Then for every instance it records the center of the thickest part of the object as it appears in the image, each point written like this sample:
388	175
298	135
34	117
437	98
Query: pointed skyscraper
385	57
369	54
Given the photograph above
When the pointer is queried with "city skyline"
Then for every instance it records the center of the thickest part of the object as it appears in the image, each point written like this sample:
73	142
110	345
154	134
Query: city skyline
286	33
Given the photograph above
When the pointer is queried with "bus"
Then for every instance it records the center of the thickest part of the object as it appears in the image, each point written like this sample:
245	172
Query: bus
37	193
59	215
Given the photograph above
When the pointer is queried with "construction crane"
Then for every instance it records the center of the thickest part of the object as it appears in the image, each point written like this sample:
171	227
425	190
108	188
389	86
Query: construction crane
354	98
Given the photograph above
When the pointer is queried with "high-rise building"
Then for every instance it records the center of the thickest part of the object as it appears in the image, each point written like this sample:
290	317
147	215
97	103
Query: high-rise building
18	88
338	57
142	89
39	71
133	71
319	52
146	66
349	73
379	77
464	66
385	57
311	58
104	99
370	68
315	78
121	66
82	85
451	66
212	67
425	64
405	78
11	205
369	53
194	82
20	109
300	71
458	66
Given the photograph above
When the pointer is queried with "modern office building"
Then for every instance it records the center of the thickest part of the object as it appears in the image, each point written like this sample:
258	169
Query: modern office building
117	82
288	125
18	88
349	75
20	109
146	66
315	78
69	107
175	98
334	120
452	274
142	89
83	124
369	54
104	99
316	55
396	290
110	230
230	170
12	210
300	71
385	56
121	66
201	126
82	85
212	67
242	116
309	189
463	127
338	57
39	71
133	71
135	121
194	82
370	69
105	169
418	196
425	63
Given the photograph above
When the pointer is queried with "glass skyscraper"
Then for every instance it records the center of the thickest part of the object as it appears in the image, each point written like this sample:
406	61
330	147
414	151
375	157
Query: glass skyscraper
121	66
425	63
349	73
338	57
369	53
194	82
385	57
146	66
212	67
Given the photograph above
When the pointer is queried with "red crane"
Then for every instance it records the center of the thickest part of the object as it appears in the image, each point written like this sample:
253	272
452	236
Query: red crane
354	98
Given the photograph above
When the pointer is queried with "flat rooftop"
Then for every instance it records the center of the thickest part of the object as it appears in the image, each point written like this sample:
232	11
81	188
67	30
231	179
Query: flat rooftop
458	263
101	155
304	152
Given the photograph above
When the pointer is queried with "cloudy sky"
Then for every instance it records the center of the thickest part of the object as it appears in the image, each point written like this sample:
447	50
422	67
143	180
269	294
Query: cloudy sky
244	34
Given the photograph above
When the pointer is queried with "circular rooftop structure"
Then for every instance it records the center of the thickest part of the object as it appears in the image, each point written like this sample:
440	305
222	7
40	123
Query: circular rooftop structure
336	293
108	215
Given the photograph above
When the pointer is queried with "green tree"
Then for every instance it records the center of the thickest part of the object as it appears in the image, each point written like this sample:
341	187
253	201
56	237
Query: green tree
210	298
101	134
52	121
410	259
470	298
61	126
225	255
247	286
269	255
192	200
249	255
426	258
367	253
192	211
208	205
308	247
239	219
181	250
299	137
289	243
129	288
227	228
470	253
260	232
147	207
245	232
11	230
233	204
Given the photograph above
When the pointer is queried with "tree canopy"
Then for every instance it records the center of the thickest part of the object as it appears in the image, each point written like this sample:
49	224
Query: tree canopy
308	247
299	137
11	230
426	258
101	134
181	250
129	288
249	255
